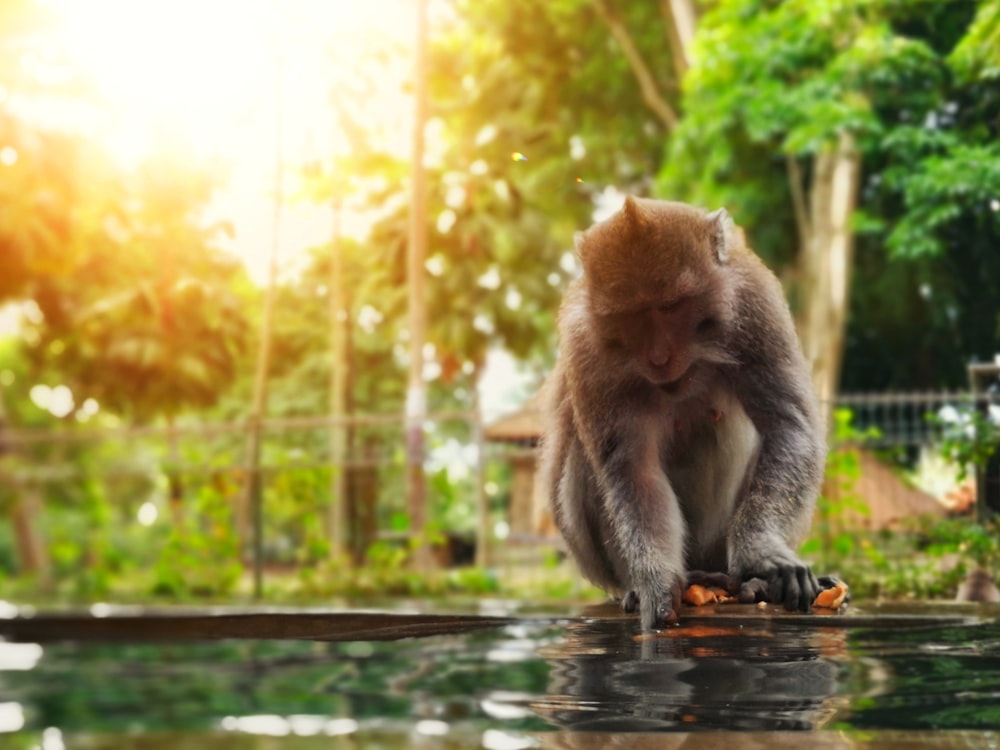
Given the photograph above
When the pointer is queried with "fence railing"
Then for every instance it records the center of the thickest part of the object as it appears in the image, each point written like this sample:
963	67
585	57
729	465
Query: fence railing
376	440
911	419
133	466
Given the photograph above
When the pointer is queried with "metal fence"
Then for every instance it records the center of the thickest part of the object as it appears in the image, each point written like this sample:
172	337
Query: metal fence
132	467
302	444
889	420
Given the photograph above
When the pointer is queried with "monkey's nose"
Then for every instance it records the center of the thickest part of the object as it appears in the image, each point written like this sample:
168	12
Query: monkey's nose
659	360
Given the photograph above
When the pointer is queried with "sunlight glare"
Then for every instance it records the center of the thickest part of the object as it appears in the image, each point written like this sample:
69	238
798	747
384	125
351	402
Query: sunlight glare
232	83
147	514
205	72
56	401
11	717
52	739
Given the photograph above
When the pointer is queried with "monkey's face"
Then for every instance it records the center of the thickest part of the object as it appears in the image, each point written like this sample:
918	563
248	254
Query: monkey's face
668	343
659	290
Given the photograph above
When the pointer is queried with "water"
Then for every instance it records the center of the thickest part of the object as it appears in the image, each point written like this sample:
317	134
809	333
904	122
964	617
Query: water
512	683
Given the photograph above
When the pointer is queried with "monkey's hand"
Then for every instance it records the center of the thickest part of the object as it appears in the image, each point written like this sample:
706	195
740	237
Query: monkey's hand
657	606
782	580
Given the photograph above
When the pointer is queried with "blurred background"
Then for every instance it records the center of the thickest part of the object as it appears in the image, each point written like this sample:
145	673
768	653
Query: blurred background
278	280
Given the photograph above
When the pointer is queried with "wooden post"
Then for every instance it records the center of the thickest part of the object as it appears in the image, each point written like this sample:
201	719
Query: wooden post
416	393
338	398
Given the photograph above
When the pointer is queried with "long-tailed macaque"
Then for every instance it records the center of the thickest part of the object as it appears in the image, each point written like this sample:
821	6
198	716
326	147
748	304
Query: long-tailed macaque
681	429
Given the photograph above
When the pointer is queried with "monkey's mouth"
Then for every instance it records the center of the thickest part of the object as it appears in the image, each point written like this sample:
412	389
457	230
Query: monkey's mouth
678	384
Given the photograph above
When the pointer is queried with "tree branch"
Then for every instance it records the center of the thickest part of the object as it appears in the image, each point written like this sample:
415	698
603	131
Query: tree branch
679	17
647	84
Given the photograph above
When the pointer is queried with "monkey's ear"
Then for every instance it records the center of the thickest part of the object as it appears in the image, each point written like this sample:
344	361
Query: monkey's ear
723	230
632	214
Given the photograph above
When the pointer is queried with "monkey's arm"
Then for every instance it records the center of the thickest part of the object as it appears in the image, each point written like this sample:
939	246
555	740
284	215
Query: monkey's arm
620	441
774	513
776	506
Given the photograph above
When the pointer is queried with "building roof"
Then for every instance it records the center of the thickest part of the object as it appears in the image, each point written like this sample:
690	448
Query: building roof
521	426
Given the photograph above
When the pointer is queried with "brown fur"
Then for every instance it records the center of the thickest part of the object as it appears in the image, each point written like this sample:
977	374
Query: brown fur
681	430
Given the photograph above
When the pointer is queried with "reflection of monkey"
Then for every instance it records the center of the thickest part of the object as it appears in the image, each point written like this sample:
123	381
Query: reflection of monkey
724	673
681	429
978	587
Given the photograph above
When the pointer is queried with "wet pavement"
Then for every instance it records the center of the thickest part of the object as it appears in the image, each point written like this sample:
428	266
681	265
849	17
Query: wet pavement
918	675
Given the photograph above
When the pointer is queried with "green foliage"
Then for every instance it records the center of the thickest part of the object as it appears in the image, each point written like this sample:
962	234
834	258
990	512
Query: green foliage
969	438
927	558
959	185
149	325
831	539
975	543
772	85
535	112
201	556
978	53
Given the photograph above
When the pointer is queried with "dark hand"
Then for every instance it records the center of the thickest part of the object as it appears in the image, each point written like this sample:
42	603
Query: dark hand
663	608
790	584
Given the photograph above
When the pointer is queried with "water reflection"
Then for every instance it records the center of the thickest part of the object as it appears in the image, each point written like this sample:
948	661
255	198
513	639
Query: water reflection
728	675
505	686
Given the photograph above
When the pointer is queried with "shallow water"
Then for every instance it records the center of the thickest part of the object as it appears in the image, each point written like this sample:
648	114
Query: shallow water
908	677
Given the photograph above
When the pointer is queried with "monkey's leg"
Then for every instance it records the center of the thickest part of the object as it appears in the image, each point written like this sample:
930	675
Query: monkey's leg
578	500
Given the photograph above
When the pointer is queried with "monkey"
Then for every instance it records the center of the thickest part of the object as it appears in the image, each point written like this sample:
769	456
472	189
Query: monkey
680	427
978	586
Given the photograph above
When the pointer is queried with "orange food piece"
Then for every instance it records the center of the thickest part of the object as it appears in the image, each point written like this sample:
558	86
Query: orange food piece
699	595
831	598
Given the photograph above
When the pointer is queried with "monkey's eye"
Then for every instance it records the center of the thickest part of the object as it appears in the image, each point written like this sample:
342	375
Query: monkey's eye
669	307
707	325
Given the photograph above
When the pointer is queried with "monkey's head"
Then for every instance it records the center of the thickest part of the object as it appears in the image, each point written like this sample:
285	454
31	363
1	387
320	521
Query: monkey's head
660	288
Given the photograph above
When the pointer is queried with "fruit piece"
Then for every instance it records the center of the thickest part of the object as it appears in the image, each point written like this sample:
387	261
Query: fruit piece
699	595
831	598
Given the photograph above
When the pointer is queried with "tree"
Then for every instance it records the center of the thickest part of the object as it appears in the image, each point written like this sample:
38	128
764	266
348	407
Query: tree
784	106
147	325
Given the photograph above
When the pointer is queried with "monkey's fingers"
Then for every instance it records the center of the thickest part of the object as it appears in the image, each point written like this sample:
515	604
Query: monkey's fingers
660	608
794	586
808	588
630	602
753	590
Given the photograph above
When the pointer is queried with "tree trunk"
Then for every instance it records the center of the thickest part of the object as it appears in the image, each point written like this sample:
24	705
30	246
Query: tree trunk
652	96
416	393
824	265
175	485
680	18
25	512
32	556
